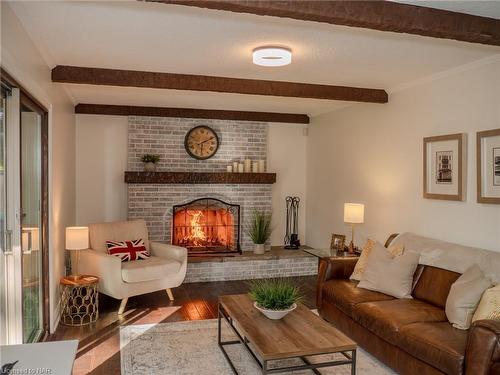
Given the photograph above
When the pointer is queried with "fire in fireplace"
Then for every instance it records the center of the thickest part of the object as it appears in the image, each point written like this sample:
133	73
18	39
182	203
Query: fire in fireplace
207	226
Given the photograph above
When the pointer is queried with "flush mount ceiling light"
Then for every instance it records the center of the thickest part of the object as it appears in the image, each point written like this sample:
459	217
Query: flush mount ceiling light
272	56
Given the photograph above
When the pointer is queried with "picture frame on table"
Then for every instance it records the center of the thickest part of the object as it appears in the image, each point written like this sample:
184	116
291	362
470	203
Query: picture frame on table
445	167
488	166
337	242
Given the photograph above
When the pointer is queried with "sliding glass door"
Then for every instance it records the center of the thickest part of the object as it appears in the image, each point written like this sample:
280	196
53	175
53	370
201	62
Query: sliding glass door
31	219
24	313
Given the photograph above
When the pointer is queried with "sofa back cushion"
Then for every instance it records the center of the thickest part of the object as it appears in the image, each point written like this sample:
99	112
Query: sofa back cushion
433	285
116	232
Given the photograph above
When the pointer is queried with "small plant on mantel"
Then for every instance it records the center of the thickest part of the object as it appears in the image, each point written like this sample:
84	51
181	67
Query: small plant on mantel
274	297
150	161
259	230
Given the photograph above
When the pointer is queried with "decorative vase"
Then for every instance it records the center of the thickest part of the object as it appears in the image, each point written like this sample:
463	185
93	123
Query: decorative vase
275	314
259	248
150	167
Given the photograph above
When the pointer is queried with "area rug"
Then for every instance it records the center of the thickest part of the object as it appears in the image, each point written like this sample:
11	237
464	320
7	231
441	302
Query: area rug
190	348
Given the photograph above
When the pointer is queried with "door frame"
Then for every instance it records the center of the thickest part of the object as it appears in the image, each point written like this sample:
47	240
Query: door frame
25	98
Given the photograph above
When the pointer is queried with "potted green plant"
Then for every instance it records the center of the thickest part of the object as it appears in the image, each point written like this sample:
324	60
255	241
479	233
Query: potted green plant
259	230
274	297
150	161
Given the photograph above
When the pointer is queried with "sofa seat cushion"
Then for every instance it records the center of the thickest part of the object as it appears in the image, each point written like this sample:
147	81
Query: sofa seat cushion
345	295
386	318
438	344
152	268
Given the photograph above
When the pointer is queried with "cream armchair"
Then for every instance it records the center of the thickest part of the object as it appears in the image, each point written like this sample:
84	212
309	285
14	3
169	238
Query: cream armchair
165	269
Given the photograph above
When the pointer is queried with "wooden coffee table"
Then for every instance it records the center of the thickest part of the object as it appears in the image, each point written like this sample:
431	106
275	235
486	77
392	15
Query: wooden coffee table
300	334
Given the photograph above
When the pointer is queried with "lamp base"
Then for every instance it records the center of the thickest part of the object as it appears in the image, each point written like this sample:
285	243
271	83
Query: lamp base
351	249
74	277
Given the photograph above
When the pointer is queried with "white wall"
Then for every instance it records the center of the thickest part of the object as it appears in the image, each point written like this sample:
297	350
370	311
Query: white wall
286	155
21	59
372	154
101	159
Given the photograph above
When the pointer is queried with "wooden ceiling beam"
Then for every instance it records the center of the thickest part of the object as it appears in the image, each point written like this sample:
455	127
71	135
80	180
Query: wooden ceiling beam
127	110
376	15
133	78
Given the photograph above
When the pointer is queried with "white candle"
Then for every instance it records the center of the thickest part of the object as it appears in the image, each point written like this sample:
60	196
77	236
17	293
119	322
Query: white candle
262	166
235	166
241	167
248	165
229	168
255	167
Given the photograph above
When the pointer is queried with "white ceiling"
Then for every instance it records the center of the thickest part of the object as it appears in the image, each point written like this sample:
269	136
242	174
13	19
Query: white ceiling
177	39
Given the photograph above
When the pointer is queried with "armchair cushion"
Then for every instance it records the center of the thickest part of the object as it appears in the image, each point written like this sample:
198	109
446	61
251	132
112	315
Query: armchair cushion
128	250
117	231
152	268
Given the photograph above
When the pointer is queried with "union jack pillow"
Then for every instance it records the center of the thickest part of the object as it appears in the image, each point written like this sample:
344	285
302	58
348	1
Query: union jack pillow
128	250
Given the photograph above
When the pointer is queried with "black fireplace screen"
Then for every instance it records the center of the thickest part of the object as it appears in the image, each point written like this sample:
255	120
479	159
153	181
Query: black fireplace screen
207	226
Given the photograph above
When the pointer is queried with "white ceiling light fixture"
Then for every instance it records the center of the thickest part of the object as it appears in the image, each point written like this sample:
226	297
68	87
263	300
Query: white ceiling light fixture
272	56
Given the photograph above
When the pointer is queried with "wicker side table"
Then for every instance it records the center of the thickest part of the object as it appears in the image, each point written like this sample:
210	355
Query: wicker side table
80	300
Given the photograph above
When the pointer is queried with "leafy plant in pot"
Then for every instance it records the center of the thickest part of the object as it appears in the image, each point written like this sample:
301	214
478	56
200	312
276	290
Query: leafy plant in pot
275	298
259	230
150	161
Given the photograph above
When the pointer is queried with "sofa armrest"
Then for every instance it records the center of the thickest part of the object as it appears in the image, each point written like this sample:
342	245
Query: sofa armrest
333	268
163	250
483	347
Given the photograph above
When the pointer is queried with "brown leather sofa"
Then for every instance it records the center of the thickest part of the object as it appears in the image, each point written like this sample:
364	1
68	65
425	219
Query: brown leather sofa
412	336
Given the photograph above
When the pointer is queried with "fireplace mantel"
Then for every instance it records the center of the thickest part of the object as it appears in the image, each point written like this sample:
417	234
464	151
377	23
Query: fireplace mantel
198	178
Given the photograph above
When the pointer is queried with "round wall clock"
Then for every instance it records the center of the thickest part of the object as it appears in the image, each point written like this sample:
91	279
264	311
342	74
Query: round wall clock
201	142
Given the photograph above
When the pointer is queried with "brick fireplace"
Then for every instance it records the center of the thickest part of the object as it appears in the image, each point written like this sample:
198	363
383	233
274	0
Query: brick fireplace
156	199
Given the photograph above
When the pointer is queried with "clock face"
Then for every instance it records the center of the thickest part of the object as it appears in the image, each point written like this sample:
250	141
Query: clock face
201	142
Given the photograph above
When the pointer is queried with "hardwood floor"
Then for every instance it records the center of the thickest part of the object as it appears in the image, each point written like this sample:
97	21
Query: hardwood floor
99	347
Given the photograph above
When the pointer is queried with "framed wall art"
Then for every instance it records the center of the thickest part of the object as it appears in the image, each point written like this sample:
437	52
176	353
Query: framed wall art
488	166
445	167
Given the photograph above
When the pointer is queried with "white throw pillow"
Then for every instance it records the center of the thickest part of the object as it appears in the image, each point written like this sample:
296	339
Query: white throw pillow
359	268
489	306
464	296
388	274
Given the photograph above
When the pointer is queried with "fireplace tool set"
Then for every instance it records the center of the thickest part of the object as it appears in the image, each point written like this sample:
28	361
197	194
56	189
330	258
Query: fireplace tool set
292	223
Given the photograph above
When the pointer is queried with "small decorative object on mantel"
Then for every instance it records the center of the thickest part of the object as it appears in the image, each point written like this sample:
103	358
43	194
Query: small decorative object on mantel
354	213
274	298
338	242
229	168
445	167
488	166
262	166
248	165
150	162
292	241
255	167
259	230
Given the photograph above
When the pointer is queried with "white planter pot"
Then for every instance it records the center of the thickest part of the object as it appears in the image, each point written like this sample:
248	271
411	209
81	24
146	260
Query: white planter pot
274	314
259	248
150	167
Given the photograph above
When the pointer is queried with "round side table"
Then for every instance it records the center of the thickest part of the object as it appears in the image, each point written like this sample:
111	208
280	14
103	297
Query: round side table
79	299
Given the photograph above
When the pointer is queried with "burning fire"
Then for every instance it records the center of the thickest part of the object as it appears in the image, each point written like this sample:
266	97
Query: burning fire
197	236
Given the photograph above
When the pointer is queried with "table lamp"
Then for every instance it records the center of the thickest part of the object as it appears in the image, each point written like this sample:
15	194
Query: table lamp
77	238
354	213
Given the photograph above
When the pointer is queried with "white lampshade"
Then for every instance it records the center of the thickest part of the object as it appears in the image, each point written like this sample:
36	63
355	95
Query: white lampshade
77	238
354	213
